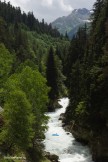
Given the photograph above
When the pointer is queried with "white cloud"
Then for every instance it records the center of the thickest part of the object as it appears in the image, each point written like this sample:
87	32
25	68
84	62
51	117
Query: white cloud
47	2
57	4
51	9
65	7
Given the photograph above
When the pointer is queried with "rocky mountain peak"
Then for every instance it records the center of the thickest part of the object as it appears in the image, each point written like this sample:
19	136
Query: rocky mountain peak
73	21
82	11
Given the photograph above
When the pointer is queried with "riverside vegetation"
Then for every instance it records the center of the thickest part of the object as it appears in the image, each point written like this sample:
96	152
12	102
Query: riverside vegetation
36	65
87	81
25	45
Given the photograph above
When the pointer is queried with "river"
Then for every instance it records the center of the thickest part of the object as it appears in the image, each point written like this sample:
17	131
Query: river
58	142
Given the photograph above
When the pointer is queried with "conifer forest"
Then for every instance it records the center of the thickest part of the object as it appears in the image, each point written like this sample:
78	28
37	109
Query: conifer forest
39	66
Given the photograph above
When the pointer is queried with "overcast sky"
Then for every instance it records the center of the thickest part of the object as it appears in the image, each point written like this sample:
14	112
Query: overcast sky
51	9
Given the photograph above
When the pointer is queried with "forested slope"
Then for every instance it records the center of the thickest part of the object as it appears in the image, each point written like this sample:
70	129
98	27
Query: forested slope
25	45
87	73
33	61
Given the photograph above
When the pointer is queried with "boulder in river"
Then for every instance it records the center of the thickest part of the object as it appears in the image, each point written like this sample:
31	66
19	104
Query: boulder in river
61	117
52	157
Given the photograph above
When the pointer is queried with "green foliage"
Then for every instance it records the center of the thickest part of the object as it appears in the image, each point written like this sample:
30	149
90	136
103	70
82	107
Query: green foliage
6	64
24	47
60	77
6	61
24	110
87	73
45	160
6	160
51	75
33	84
28	21
55	77
81	109
18	120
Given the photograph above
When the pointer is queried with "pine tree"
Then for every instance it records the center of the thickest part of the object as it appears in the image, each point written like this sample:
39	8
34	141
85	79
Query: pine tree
51	75
96	12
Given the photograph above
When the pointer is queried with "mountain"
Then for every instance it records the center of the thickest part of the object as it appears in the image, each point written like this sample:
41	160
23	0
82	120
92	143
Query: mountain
73	21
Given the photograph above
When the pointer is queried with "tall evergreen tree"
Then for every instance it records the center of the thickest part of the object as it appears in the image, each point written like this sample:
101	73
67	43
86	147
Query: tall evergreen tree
51	75
88	84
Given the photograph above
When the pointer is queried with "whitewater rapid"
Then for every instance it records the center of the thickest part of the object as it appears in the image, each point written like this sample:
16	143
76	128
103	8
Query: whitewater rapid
64	145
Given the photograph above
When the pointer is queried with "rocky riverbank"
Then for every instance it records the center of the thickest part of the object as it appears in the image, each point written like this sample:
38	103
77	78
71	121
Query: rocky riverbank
51	157
98	143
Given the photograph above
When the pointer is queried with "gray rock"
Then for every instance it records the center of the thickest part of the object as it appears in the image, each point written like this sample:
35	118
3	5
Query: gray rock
61	117
52	157
72	22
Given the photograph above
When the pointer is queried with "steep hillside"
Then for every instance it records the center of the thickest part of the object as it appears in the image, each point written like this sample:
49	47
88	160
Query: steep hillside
87	79
25	45
72	22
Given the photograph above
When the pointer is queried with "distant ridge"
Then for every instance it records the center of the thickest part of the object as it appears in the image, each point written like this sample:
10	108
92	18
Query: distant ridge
73	21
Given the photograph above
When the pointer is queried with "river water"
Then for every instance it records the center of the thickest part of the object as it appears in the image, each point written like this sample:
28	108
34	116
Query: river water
63	144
